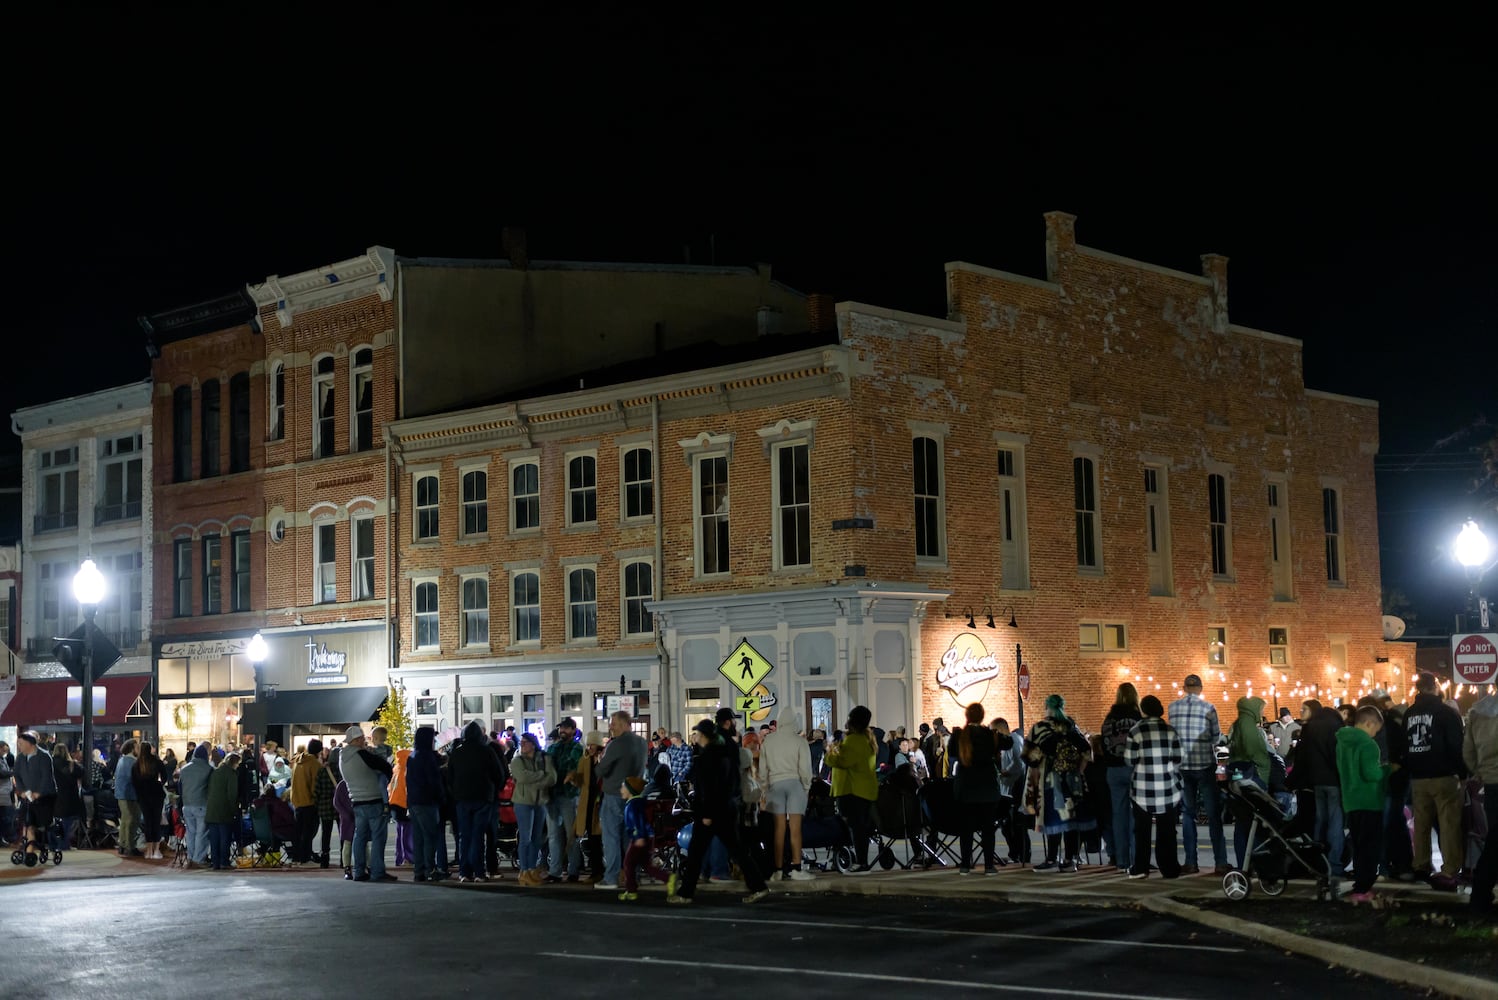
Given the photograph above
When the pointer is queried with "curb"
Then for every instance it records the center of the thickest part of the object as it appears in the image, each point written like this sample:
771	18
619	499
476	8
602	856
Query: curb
1454	984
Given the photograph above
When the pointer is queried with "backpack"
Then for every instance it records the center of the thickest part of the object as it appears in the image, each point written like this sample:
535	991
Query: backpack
1070	758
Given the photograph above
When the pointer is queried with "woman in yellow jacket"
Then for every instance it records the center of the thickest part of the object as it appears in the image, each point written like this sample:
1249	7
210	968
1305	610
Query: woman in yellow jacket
855	785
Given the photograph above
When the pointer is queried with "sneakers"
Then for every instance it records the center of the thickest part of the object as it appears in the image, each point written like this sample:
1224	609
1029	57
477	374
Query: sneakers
673	882
1191	870
675	900
755	897
798	875
1047	867
964	870
1443	883
628	897
1220	870
606	886
1360	897
1069	868
864	870
1143	874
990	871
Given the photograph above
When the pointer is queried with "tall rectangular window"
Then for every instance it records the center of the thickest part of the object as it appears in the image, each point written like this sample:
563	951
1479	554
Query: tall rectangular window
212	428
363	397
424	620
362	530
426	507
926	454
278	402
57	500
1217	646
1084	494
1331	515
182	434
324	409
712	514
638	589
476	611
120	613
582	489
639	483
120	470
239	422
1279	543
793	505
213	575
240	541
475	502
1157	530
582	604
59	608
1014	536
525	496
325	563
182	577
1219	525
526	607
1279	646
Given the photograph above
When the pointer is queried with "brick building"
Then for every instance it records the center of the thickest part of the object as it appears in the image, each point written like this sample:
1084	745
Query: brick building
1100	456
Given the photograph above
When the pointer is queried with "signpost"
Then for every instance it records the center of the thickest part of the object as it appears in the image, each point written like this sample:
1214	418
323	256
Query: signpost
1024	681
745	669
1474	658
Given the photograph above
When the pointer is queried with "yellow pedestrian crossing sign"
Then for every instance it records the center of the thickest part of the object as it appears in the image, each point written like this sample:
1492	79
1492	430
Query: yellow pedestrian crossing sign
745	668
748	703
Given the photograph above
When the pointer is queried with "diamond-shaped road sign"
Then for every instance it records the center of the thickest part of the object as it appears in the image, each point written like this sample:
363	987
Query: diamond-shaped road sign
745	668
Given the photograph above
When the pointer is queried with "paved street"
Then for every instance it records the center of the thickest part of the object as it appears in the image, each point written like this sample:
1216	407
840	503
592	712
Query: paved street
288	934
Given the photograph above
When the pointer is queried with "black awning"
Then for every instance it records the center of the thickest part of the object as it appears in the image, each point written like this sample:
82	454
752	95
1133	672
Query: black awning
342	707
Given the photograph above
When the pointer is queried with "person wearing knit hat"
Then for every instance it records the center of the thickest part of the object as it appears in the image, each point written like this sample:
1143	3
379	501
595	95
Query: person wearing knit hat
638	832
192	785
1059	752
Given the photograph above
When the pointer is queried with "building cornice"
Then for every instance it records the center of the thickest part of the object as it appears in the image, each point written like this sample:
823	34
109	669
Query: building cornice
1339	398
123	403
900	316
324	286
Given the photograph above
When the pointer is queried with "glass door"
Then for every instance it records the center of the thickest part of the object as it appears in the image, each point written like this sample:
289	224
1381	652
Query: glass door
821	711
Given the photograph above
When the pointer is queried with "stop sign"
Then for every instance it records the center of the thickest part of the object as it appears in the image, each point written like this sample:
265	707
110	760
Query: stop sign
1024	681
1474	658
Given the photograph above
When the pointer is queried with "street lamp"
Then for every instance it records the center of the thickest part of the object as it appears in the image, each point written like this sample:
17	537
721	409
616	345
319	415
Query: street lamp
257	651
88	588
1472	549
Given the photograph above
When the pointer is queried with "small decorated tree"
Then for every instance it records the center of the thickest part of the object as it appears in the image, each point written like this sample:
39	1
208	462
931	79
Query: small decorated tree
395	719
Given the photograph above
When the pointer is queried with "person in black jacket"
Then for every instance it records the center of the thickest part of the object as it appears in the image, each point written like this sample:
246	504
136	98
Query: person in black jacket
1398	853
715	786
68	773
975	752
477	775
1316	769
1434	759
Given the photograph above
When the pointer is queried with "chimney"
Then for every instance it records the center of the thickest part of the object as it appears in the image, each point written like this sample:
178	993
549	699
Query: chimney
512	238
1060	238
821	313
1215	269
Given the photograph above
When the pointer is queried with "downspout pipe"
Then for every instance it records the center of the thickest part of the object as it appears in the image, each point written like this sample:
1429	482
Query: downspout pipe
659	576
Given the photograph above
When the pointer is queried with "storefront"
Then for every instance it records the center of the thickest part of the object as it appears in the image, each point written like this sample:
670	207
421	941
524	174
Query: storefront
200	687
316	681
52	706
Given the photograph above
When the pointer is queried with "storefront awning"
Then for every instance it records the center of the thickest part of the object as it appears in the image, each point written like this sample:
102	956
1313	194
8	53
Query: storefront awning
45	703
313	707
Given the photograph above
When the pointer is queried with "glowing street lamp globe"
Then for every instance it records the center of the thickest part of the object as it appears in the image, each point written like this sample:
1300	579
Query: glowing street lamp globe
88	584
1472	547
257	649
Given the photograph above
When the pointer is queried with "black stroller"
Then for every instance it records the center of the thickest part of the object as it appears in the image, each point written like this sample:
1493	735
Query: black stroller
822	829
1278	848
103	829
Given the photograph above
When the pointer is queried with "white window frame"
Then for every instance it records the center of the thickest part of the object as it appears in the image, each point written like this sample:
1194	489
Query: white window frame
355	370
514	497
276	387
1014	527
1281	567
1226	575
1224	655
417	614
591	455
1108	638
625	484
60	462
213	583
626	599
354	521
778	508
320	379
722	509
1157	537
1334	533
324	563
111	456
939	558
567	574
466	639
418	508
1281	648
515	608
1093	459
466	505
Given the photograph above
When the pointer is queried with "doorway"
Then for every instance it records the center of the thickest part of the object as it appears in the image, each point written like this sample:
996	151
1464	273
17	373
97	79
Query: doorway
821	711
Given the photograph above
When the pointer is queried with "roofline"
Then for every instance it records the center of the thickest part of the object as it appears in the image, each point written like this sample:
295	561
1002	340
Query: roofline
900	316
504	264
992	272
1199	279
1265	334
1339	398
21	414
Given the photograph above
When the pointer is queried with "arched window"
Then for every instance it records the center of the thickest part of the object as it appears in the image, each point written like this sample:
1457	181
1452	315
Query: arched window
182	435
476	611
210	444
363	397
278	402
426	616
475	502
239	422
582	604
323	403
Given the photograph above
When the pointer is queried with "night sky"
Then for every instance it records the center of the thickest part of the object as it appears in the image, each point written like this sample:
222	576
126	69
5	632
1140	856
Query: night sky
1350	180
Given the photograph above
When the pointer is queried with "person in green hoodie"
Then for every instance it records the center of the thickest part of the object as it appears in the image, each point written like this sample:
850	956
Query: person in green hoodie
1363	779
1248	756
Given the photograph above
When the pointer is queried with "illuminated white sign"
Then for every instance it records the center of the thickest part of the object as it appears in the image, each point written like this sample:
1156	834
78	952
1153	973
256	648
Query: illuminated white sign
965	664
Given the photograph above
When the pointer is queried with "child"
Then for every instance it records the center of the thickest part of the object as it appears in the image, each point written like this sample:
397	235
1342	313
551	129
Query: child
1363	779
638	831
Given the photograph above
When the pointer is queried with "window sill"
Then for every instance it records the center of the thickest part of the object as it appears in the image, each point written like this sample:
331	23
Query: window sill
522	647
636	638
1165	598
1220	578
475	647
426	651
426	543
1102	654
929	562
518	533
474	539
637	522
585	643
1336	585
712	577
587	528
792	571
1091	572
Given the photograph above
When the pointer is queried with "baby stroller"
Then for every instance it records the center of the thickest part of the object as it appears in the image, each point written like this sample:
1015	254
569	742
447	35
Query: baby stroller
822	829
507	840
104	828
1278	847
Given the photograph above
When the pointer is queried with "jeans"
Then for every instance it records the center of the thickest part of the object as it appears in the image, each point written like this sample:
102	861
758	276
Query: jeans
64	841
426	827
531	821
1438	800
129	824
1121	843
473	819
1198	787
611	821
222	836
1329	825
194	818
1366	826
306	829
1165	841
371	828
561	816
855	812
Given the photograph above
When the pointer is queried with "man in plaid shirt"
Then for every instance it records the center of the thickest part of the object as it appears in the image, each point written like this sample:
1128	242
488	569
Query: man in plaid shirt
679	758
1195	722
1154	752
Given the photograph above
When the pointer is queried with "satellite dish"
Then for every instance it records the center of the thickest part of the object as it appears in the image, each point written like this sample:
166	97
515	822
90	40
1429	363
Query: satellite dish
1393	627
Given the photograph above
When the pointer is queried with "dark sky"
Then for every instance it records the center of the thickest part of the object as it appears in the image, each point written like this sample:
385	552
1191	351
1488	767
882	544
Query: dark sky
1350	179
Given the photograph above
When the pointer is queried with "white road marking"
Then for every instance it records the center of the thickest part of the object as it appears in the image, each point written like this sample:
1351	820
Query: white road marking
868	976
1013	935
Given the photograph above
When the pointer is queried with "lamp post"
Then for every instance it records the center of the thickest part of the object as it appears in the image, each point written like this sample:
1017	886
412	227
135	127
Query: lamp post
1019	669
88	588
257	651
1472	549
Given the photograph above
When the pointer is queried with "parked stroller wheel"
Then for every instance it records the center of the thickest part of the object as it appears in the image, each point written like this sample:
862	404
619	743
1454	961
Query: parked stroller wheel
31	860
1272	886
886	858
1235	885
56	858
843	858
18	857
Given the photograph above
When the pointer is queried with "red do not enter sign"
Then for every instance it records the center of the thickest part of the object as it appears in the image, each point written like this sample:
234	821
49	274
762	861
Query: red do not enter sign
1474	658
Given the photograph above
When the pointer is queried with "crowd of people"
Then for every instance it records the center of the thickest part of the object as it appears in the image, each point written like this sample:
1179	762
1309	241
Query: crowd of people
1148	771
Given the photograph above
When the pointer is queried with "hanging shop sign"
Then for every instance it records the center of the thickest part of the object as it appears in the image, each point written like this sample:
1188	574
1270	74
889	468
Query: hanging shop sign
324	665
966	668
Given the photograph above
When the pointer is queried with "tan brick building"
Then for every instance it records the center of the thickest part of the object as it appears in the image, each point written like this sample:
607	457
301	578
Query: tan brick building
1145	488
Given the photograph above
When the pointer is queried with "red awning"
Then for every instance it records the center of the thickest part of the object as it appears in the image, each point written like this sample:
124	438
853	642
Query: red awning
43	703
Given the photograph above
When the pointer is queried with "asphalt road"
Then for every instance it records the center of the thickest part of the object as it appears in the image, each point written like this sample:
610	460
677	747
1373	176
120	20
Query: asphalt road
290	935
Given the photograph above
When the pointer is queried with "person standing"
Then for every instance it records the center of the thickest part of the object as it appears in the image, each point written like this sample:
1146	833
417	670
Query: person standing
1153	753
855	784
424	804
1195	721
1012	772
587	828
975	751
69	774
128	801
534	777
1248	757
304	800
785	763
623	757
1434	757
222	810
1117	726
146	777
1059	754
1362	782
323	792
1316	769
715	815
193	780
1284	732
36	792
1480	754
366	773
565	857
477	776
